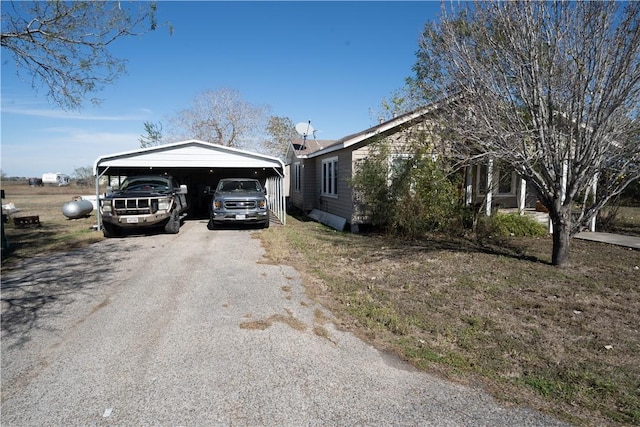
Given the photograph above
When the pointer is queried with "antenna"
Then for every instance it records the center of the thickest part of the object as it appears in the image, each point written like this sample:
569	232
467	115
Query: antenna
305	129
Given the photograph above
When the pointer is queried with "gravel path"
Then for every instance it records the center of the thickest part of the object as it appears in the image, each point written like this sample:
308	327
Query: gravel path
194	329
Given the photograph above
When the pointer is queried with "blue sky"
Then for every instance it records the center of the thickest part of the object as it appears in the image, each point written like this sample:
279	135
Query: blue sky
329	62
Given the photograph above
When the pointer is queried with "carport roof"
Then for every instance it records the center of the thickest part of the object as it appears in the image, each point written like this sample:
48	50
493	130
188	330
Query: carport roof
187	154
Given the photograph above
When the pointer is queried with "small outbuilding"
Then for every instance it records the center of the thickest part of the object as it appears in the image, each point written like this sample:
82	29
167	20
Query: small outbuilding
199	165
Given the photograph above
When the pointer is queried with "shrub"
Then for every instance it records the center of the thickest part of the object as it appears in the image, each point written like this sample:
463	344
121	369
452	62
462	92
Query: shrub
514	224
408	193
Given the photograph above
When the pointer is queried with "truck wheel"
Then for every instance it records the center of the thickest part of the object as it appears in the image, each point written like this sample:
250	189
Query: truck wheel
211	225
109	230
173	225
266	223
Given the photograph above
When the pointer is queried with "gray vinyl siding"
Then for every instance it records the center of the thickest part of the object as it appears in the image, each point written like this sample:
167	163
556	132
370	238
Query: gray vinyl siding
304	198
357	156
295	196
308	185
341	204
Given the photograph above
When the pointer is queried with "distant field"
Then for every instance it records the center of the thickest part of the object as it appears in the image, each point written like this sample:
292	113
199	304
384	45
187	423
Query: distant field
57	232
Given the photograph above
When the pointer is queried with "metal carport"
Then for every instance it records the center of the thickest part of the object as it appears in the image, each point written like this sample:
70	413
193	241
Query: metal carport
197	164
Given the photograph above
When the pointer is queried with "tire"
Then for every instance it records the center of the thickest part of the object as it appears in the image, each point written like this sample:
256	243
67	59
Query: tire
211	225
266	223
109	230
173	225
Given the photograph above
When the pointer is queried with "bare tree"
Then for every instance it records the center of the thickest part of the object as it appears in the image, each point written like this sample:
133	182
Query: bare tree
221	117
63	45
281	131
153	135
84	176
550	88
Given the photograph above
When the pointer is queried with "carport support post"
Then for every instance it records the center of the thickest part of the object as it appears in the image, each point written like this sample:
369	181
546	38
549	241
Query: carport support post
98	218
98	175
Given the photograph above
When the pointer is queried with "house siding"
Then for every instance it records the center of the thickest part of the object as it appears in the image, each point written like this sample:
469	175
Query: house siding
357	217
341	204
303	198
308	185
352	149
295	195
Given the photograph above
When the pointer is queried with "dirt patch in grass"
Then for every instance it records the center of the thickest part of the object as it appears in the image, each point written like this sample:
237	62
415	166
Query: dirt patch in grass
494	314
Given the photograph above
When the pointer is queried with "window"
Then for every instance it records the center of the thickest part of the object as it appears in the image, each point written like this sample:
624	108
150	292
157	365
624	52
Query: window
296	176
503	179
398	168
330	177
398	164
482	171
506	180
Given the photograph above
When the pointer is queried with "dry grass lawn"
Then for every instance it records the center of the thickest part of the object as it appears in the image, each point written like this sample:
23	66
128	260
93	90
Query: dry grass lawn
56	231
492	314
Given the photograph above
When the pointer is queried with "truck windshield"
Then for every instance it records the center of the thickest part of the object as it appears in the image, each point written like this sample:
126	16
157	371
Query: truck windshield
156	186
239	186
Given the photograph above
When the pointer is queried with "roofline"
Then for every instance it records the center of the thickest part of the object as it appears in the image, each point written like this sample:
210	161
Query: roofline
163	147
350	140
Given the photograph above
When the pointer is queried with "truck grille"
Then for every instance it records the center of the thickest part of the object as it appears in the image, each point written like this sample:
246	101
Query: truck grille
240	204
135	206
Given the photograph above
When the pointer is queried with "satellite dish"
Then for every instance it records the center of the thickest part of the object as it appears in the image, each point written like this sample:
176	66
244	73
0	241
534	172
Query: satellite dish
304	129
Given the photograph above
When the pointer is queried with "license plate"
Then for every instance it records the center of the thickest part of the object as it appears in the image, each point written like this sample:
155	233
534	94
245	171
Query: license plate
241	217
132	220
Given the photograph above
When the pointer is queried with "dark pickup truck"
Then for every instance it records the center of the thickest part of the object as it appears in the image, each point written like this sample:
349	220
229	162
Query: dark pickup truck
239	201
144	201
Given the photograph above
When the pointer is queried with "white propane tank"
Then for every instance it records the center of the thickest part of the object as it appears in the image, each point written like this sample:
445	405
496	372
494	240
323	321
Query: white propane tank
77	208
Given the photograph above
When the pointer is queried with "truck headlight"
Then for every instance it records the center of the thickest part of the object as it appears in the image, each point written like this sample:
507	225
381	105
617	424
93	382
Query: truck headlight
262	204
164	204
106	206
217	204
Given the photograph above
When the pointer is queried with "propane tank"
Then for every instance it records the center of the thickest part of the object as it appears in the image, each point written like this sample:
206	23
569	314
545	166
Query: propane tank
77	208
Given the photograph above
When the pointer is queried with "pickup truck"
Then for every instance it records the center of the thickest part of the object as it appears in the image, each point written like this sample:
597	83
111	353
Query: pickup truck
144	201
239	201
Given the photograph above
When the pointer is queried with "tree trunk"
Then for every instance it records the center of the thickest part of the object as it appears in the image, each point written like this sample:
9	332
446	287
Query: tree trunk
561	236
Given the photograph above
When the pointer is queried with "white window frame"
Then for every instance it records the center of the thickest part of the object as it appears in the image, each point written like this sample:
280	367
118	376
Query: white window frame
329	180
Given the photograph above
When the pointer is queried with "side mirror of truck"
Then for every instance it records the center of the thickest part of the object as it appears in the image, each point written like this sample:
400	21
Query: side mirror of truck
183	189
109	191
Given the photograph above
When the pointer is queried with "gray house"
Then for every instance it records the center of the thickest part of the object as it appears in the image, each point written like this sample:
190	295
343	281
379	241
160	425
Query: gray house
320	174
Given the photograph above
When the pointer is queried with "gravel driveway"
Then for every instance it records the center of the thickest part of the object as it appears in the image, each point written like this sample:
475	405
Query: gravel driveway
195	329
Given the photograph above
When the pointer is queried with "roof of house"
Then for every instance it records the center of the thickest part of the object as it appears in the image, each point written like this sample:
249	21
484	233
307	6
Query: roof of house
309	146
316	148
